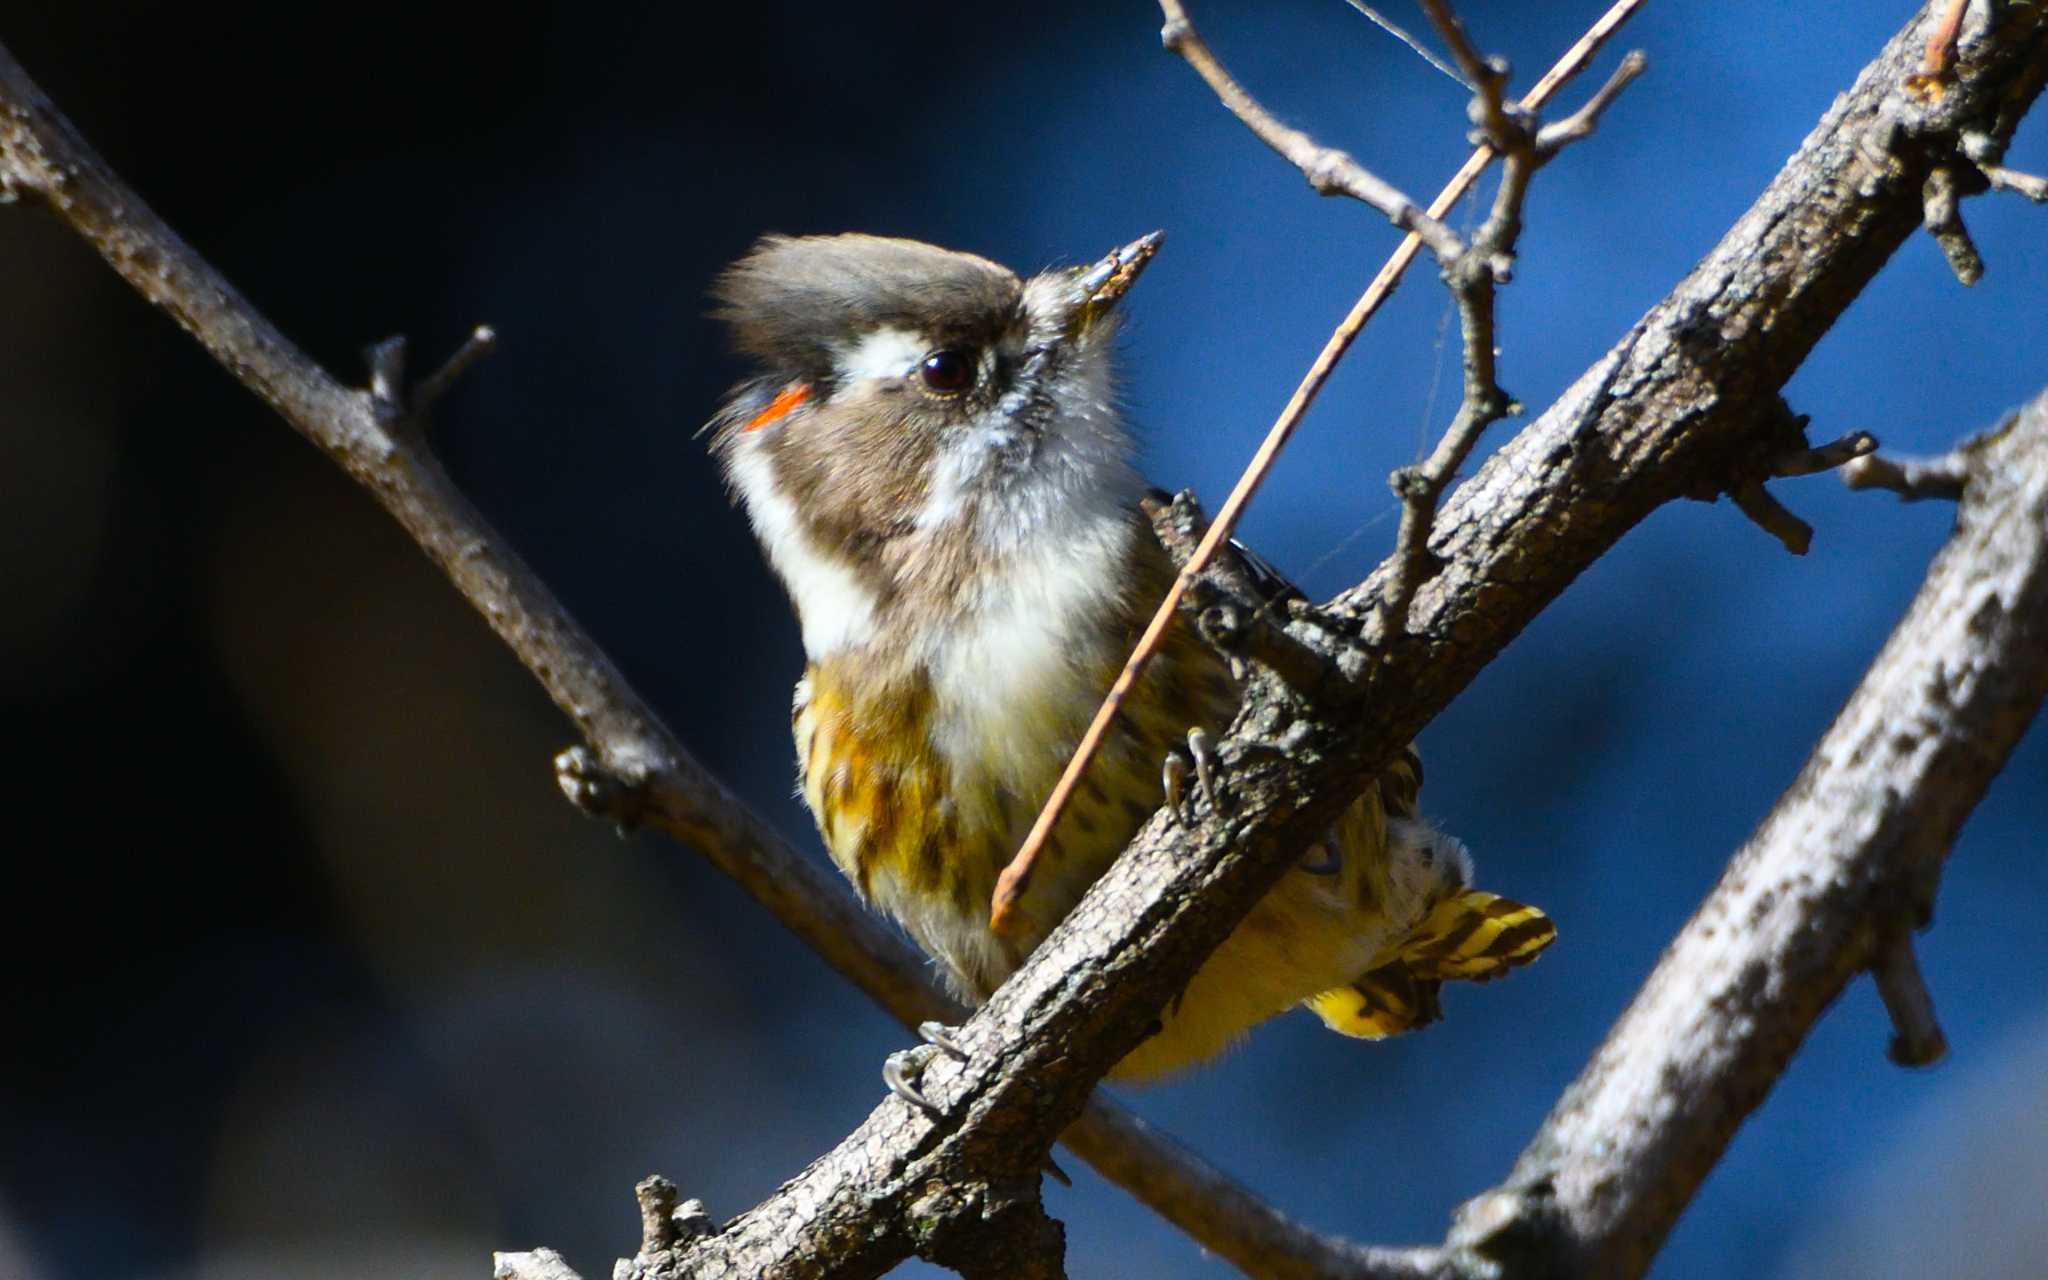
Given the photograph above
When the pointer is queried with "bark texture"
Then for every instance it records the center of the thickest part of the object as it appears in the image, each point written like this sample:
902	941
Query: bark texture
1686	405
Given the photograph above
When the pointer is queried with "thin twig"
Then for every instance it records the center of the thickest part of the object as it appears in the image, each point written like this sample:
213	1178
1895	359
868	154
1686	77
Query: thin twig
1581	123
1772	516
1941	42
1913	479
1835	453
1006	911
1329	170
1917	1039
1943	216
1487	76
482	341
2031	186
1472	281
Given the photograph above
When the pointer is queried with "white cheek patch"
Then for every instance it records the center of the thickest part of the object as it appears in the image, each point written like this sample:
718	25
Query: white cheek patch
835	607
963	459
883	354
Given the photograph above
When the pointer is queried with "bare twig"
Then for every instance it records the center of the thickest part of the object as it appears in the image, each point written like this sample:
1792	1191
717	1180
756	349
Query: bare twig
1580	124
1772	517
1944	219
1941	42
482	341
1918	1040
1251	1234
1835	453
1488	77
1472	281
1329	170
1005	913
2031	186
1913	479
1807	904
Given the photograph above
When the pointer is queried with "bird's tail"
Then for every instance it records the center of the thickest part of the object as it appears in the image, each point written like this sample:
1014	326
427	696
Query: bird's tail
1471	935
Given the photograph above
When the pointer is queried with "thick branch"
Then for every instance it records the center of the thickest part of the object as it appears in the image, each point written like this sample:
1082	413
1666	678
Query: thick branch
1828	887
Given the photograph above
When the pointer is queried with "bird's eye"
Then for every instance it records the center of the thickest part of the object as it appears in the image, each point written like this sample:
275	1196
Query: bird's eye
948	372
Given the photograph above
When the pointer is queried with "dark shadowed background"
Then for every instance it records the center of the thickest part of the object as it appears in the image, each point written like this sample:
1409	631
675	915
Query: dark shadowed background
309	972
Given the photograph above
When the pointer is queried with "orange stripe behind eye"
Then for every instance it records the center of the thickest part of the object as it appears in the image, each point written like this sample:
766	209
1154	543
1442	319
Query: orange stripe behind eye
788	398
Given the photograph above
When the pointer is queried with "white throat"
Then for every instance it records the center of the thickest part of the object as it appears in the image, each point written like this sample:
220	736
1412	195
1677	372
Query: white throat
835	608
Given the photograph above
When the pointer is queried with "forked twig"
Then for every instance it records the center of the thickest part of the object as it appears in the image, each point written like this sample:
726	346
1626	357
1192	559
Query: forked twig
1006	908
1472	281
1329	170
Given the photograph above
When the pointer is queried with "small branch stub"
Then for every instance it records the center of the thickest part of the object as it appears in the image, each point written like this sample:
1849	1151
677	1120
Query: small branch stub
2032	186
1913	479
1836	453
481	342
601	791
1942	214
1772	517
657	1198
1918	1040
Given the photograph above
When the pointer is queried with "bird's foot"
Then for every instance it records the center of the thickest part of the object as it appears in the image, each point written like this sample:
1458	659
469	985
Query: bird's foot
903	1068
1207	766
1173	776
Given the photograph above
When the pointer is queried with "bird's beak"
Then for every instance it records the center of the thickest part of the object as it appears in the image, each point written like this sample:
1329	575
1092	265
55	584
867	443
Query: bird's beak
1097	288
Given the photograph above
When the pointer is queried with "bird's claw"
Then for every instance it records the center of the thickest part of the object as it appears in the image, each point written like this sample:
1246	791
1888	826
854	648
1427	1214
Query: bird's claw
902	1069
1173	775
1203	749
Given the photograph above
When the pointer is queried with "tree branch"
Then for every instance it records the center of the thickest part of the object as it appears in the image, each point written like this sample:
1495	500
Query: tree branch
1472	280
1687	405
1683	407
633	769
1911	478
1830	885
1329	170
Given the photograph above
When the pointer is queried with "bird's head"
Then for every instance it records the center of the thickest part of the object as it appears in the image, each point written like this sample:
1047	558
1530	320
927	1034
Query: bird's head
920	414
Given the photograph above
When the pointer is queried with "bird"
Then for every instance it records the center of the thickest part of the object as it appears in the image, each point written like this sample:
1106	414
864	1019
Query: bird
932	455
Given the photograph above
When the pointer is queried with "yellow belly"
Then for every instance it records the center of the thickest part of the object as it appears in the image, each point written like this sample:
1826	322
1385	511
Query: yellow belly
923	831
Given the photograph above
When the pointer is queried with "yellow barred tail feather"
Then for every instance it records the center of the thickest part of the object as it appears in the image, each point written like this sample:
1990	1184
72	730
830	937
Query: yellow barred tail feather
1385	1002
1472	936
1476	936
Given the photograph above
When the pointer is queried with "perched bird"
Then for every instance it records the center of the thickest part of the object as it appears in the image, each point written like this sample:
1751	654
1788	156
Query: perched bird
933	459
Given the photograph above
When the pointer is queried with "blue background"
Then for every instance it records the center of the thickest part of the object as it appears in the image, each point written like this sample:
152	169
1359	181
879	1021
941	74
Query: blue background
316	975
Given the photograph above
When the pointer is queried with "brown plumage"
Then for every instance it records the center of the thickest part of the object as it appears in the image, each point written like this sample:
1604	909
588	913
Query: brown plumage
934	463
